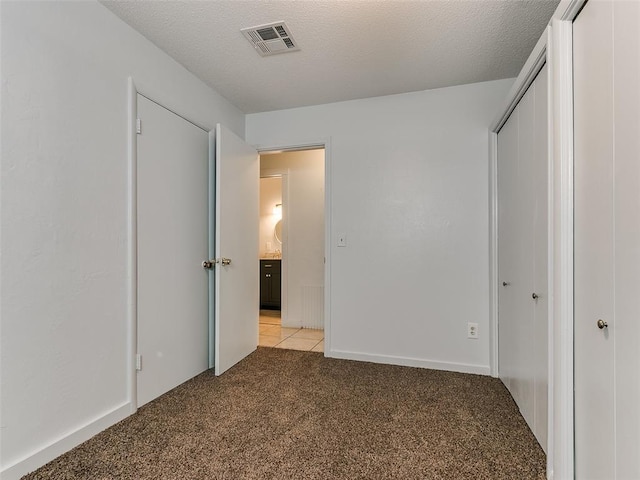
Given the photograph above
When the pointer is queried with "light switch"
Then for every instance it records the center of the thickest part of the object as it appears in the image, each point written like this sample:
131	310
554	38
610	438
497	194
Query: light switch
342	239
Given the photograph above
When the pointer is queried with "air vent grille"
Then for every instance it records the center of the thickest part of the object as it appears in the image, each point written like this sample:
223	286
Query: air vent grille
268	34
271	39
254	36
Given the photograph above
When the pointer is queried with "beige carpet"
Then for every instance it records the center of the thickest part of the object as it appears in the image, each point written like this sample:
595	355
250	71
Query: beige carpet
283	414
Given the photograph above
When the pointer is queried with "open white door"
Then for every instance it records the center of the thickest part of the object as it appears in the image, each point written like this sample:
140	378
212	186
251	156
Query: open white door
237	217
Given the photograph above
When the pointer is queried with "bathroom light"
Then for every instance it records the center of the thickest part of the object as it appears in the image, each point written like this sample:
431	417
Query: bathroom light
277	210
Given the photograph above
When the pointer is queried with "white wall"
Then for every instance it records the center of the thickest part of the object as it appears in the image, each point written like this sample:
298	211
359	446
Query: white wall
304	250
64	217
270	196
409	187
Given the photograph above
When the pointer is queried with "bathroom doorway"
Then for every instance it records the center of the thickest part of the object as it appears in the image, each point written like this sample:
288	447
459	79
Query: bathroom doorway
291	249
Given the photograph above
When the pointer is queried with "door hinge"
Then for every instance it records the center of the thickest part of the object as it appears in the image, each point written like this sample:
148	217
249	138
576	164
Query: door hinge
138	126
138	362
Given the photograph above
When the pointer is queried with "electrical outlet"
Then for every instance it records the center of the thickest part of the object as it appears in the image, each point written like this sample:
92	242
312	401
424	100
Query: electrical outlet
472	330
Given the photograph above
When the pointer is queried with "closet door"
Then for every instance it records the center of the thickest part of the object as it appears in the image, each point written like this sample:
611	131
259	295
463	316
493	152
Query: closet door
594	256
507	252
607	240
540	182
523	278
626	145
523	256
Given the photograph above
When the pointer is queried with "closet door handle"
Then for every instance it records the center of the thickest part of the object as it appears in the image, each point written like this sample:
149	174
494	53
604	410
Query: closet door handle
602	324
534	296
505	284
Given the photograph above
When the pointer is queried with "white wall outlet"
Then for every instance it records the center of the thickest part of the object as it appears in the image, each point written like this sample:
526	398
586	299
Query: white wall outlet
342	239
472	330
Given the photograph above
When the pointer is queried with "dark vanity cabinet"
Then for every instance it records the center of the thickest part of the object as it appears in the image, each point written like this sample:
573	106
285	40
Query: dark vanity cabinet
270	289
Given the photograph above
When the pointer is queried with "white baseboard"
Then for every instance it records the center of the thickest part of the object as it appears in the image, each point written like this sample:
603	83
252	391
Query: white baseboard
56	448
411	362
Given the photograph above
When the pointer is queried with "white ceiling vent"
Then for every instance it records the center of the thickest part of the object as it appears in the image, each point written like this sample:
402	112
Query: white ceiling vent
271	39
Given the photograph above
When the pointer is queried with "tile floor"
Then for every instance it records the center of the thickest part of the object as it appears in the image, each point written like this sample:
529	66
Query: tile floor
273	334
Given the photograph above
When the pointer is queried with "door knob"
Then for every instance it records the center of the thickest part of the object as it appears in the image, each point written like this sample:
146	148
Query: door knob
602	324
505	284
208	264
534	296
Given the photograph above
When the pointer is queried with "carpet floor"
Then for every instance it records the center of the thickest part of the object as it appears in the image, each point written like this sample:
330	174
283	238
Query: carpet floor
284	414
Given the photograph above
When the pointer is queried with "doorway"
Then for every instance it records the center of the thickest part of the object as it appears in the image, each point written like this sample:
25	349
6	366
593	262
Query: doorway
292	237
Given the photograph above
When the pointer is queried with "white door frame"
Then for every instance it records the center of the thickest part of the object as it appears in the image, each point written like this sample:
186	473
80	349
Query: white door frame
324	143
183	110
561	464
283	174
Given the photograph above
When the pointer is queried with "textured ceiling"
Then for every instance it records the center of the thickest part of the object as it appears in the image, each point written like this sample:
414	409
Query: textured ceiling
349	48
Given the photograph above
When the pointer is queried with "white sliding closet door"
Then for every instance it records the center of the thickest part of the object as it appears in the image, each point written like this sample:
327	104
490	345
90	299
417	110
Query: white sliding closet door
507	215
607	240
522	255
540	205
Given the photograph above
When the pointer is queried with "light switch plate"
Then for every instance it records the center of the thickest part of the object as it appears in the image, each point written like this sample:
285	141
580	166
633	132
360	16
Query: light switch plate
342	239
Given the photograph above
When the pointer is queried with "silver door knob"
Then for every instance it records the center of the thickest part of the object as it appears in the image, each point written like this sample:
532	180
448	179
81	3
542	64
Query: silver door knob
534	296
208	264
602	324
224	261
505	284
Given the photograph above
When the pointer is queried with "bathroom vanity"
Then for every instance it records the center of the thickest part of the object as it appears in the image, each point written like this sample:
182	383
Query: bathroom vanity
270	283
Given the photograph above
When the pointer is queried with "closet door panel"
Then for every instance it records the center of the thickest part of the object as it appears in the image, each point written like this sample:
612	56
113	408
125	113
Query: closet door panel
627	235
594	243
523	278
522	255
541	260
507	190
